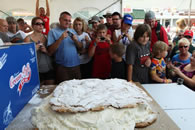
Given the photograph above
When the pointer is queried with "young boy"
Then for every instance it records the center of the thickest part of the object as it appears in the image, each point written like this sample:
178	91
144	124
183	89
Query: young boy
99	49
158	65
118	69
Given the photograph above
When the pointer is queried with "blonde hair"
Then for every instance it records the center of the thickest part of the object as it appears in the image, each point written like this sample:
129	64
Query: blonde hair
84	27
181	24
184	40
159	46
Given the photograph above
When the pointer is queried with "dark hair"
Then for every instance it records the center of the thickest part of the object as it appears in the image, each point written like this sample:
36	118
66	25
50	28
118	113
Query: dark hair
140	30
101	27
20	20
117	13
118	49
35	19
65	12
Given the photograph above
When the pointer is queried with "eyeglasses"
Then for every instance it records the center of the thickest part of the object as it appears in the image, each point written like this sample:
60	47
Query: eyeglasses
188	37
38	24
183	46
67	20
115	19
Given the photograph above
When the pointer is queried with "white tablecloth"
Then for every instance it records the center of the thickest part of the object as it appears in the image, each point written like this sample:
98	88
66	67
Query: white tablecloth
177	101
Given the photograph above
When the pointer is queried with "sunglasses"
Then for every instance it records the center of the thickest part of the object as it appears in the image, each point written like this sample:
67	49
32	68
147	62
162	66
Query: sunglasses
183	46
38	24
188	37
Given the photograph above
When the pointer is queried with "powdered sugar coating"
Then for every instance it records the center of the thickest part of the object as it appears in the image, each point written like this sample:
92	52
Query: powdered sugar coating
84	95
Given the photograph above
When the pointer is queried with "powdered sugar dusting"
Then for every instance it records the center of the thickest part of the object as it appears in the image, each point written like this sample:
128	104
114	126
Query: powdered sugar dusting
83	95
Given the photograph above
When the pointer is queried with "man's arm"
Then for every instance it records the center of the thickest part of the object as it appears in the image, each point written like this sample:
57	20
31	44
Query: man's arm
47	9
54	46
37	8
163	35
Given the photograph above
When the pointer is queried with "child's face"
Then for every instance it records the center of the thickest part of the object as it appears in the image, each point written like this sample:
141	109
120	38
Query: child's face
78	26
143	40
163	54
102	33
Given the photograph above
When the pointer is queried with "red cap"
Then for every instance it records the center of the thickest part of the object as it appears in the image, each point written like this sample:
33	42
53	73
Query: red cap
188	33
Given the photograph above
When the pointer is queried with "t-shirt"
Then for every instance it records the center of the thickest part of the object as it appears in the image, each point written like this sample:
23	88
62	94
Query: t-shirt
84	58
4	37
188	74
46	26
136	55
158	66
125	41
66	54
102	60
177	62
118	70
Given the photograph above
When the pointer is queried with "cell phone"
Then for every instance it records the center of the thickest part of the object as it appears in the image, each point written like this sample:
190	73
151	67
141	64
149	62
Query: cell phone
102	38
70	34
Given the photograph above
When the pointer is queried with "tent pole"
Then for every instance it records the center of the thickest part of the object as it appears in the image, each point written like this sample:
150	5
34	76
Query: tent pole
189	14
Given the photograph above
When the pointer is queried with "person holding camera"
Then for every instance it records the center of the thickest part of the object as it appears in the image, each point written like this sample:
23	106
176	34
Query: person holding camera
99	49
46	71
125	34
64	44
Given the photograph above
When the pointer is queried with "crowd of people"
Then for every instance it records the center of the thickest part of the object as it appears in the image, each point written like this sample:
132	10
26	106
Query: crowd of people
78	50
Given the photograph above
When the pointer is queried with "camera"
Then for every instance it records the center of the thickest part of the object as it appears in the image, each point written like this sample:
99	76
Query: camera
70	34
102	38
180	81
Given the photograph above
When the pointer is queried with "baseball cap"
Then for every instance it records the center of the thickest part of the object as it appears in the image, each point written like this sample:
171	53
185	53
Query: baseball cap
107	15
95	19
128	19
150	15
188	33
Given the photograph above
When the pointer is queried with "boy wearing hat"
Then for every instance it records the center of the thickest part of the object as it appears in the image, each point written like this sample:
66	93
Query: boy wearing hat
158	31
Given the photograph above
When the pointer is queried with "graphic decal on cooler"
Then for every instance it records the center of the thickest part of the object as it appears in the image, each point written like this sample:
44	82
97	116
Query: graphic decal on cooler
21	78
3	60
7	115
31	51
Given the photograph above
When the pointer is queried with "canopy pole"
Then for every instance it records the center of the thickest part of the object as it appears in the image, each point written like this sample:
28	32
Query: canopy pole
189	14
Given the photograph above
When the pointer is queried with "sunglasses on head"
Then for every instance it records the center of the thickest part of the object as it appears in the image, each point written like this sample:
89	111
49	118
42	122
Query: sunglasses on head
39	24
188	37
183	46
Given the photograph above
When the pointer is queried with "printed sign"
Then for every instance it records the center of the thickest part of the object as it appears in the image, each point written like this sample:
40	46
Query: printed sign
19	80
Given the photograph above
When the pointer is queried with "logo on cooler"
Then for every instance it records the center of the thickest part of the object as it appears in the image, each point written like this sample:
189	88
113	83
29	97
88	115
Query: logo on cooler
7	115
21	78
3	60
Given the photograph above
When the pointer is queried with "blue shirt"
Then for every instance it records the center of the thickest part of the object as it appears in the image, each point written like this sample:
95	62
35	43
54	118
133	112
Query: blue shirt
177	62
66	54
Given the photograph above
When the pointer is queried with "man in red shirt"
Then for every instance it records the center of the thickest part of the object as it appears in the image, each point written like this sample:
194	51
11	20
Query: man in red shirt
158	31
40	12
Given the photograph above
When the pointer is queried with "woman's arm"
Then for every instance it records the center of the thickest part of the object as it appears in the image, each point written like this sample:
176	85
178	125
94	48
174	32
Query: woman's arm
187	80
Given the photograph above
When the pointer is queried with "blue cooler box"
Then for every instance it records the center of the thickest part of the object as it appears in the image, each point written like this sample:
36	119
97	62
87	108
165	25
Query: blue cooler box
19	80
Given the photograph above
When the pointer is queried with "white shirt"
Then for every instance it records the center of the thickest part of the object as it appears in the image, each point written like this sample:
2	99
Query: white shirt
84	58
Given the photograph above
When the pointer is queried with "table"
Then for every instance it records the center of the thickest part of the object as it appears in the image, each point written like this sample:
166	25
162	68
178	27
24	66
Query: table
22	121
177	101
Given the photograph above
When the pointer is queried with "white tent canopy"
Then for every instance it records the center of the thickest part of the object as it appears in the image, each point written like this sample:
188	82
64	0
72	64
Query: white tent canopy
92	6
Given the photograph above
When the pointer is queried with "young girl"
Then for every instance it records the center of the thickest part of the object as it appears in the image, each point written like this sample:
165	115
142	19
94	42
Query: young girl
158	65
99	48
46	72
79	27
137	55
